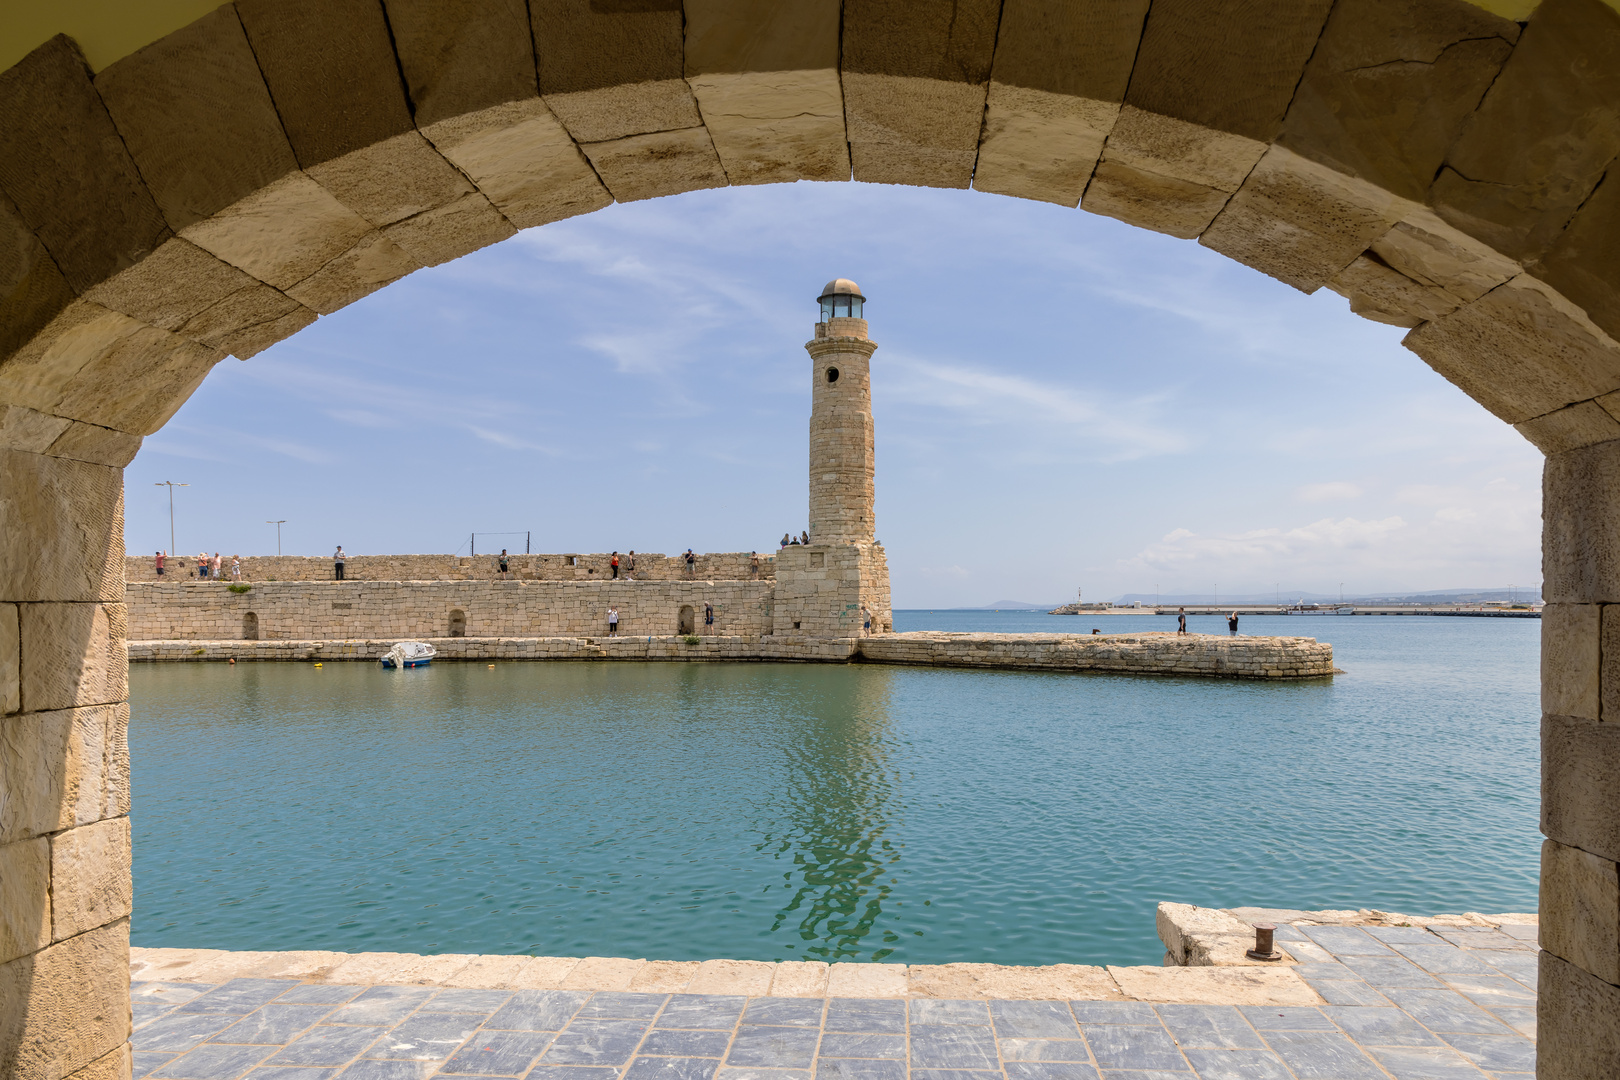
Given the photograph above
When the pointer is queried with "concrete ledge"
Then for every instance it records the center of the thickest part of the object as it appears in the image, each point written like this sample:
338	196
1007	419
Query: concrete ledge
1057	982
1140	654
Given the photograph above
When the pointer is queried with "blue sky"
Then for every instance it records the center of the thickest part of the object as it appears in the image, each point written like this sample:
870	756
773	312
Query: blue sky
1061	401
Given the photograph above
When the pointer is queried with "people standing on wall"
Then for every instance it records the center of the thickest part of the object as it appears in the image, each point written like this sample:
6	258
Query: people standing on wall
753	562
159	561
804	537
708	617
630	566
202	564
613	622
504	570
338	559
615	565
784	539
215	565
1181	620
1231	624
691	562
866	620
236	568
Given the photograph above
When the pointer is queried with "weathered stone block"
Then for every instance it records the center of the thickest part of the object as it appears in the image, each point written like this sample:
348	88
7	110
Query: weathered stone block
1610	669
462	56
608	73
1580	767
1570	646
1432	253
1580	263
73	655
1383	294
61	529
450	231
171	286
1200	64
1581	501
775	127
363	269
799	978
1151	200
1580	909
1571	428
523	161
249	321
1300	222
32	289
1543	135
766	78
137	383
666	163
1040	145
1071	50
194	111
331	71
915	78
391	180
65	168
90	877
1577	1023
116	1065
25	897
1390	84
10	660
282	233
1521	351
67	1005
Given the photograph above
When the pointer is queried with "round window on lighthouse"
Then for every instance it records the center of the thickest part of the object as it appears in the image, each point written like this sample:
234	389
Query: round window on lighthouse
832	374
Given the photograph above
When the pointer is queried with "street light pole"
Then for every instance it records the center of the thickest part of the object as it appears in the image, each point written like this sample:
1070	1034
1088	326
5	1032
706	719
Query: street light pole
171	485
278	525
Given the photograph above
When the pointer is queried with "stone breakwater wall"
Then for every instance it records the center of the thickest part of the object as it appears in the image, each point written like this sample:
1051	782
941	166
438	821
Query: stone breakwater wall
998	651
1206	655
650	566
305	610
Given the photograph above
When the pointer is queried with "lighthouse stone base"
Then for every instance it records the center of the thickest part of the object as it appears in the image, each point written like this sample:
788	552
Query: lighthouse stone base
820	590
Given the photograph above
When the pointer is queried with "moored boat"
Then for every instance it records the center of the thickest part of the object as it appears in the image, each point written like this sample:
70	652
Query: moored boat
408	654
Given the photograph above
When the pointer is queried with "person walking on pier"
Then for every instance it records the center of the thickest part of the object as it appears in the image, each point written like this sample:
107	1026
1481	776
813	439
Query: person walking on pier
613	622
1181	621
338	559
708	617
1231	624
615	565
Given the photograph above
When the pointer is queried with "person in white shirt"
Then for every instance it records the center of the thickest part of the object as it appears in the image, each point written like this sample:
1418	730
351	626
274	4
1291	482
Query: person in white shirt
236	568
338	559
613	622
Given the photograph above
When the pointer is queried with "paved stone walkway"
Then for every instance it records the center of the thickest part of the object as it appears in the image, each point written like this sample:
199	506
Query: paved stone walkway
1402	1002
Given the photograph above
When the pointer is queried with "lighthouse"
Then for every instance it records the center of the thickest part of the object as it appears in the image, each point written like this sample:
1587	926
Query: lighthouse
839	583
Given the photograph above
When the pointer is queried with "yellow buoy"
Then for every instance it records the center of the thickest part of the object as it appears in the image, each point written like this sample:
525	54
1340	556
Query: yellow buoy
317	665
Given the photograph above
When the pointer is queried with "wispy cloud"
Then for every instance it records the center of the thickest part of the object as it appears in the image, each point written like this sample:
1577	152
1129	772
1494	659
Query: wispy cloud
1329	491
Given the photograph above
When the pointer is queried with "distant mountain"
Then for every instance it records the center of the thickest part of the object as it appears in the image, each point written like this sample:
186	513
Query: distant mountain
1016	605
1521	593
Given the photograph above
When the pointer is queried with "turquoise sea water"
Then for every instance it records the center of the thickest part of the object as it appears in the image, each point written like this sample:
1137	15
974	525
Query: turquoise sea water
775	811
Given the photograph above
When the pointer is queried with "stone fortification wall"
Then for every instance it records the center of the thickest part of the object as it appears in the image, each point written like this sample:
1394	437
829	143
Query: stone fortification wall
285	610
821	590
1157	654
650	566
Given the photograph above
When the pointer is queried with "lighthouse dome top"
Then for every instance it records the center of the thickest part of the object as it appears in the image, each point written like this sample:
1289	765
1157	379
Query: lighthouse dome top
842	299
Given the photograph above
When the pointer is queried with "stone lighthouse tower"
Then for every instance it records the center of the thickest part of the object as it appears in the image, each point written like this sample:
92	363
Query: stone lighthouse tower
840	581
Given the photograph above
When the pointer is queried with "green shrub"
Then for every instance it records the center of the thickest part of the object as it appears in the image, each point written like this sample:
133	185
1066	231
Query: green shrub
238	589
692	639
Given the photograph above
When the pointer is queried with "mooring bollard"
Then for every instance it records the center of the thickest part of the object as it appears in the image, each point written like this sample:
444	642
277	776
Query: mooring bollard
1264	946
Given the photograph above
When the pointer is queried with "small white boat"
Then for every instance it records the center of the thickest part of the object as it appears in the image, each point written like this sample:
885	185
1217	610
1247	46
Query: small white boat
408	654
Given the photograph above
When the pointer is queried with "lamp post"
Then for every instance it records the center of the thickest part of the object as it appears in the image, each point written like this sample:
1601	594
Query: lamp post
278	525
171	485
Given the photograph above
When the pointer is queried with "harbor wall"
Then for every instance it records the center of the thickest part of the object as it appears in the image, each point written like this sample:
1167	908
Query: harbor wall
331	610
1204	655
567	566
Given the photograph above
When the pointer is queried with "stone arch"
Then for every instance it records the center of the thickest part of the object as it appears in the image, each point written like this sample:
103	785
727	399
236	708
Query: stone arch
223	185
458	623
250	626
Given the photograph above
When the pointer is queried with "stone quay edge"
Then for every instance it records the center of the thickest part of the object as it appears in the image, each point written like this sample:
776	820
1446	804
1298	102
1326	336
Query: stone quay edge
1197	655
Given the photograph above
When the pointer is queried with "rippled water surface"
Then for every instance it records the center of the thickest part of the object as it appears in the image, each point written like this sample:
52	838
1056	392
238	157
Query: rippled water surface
774	811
